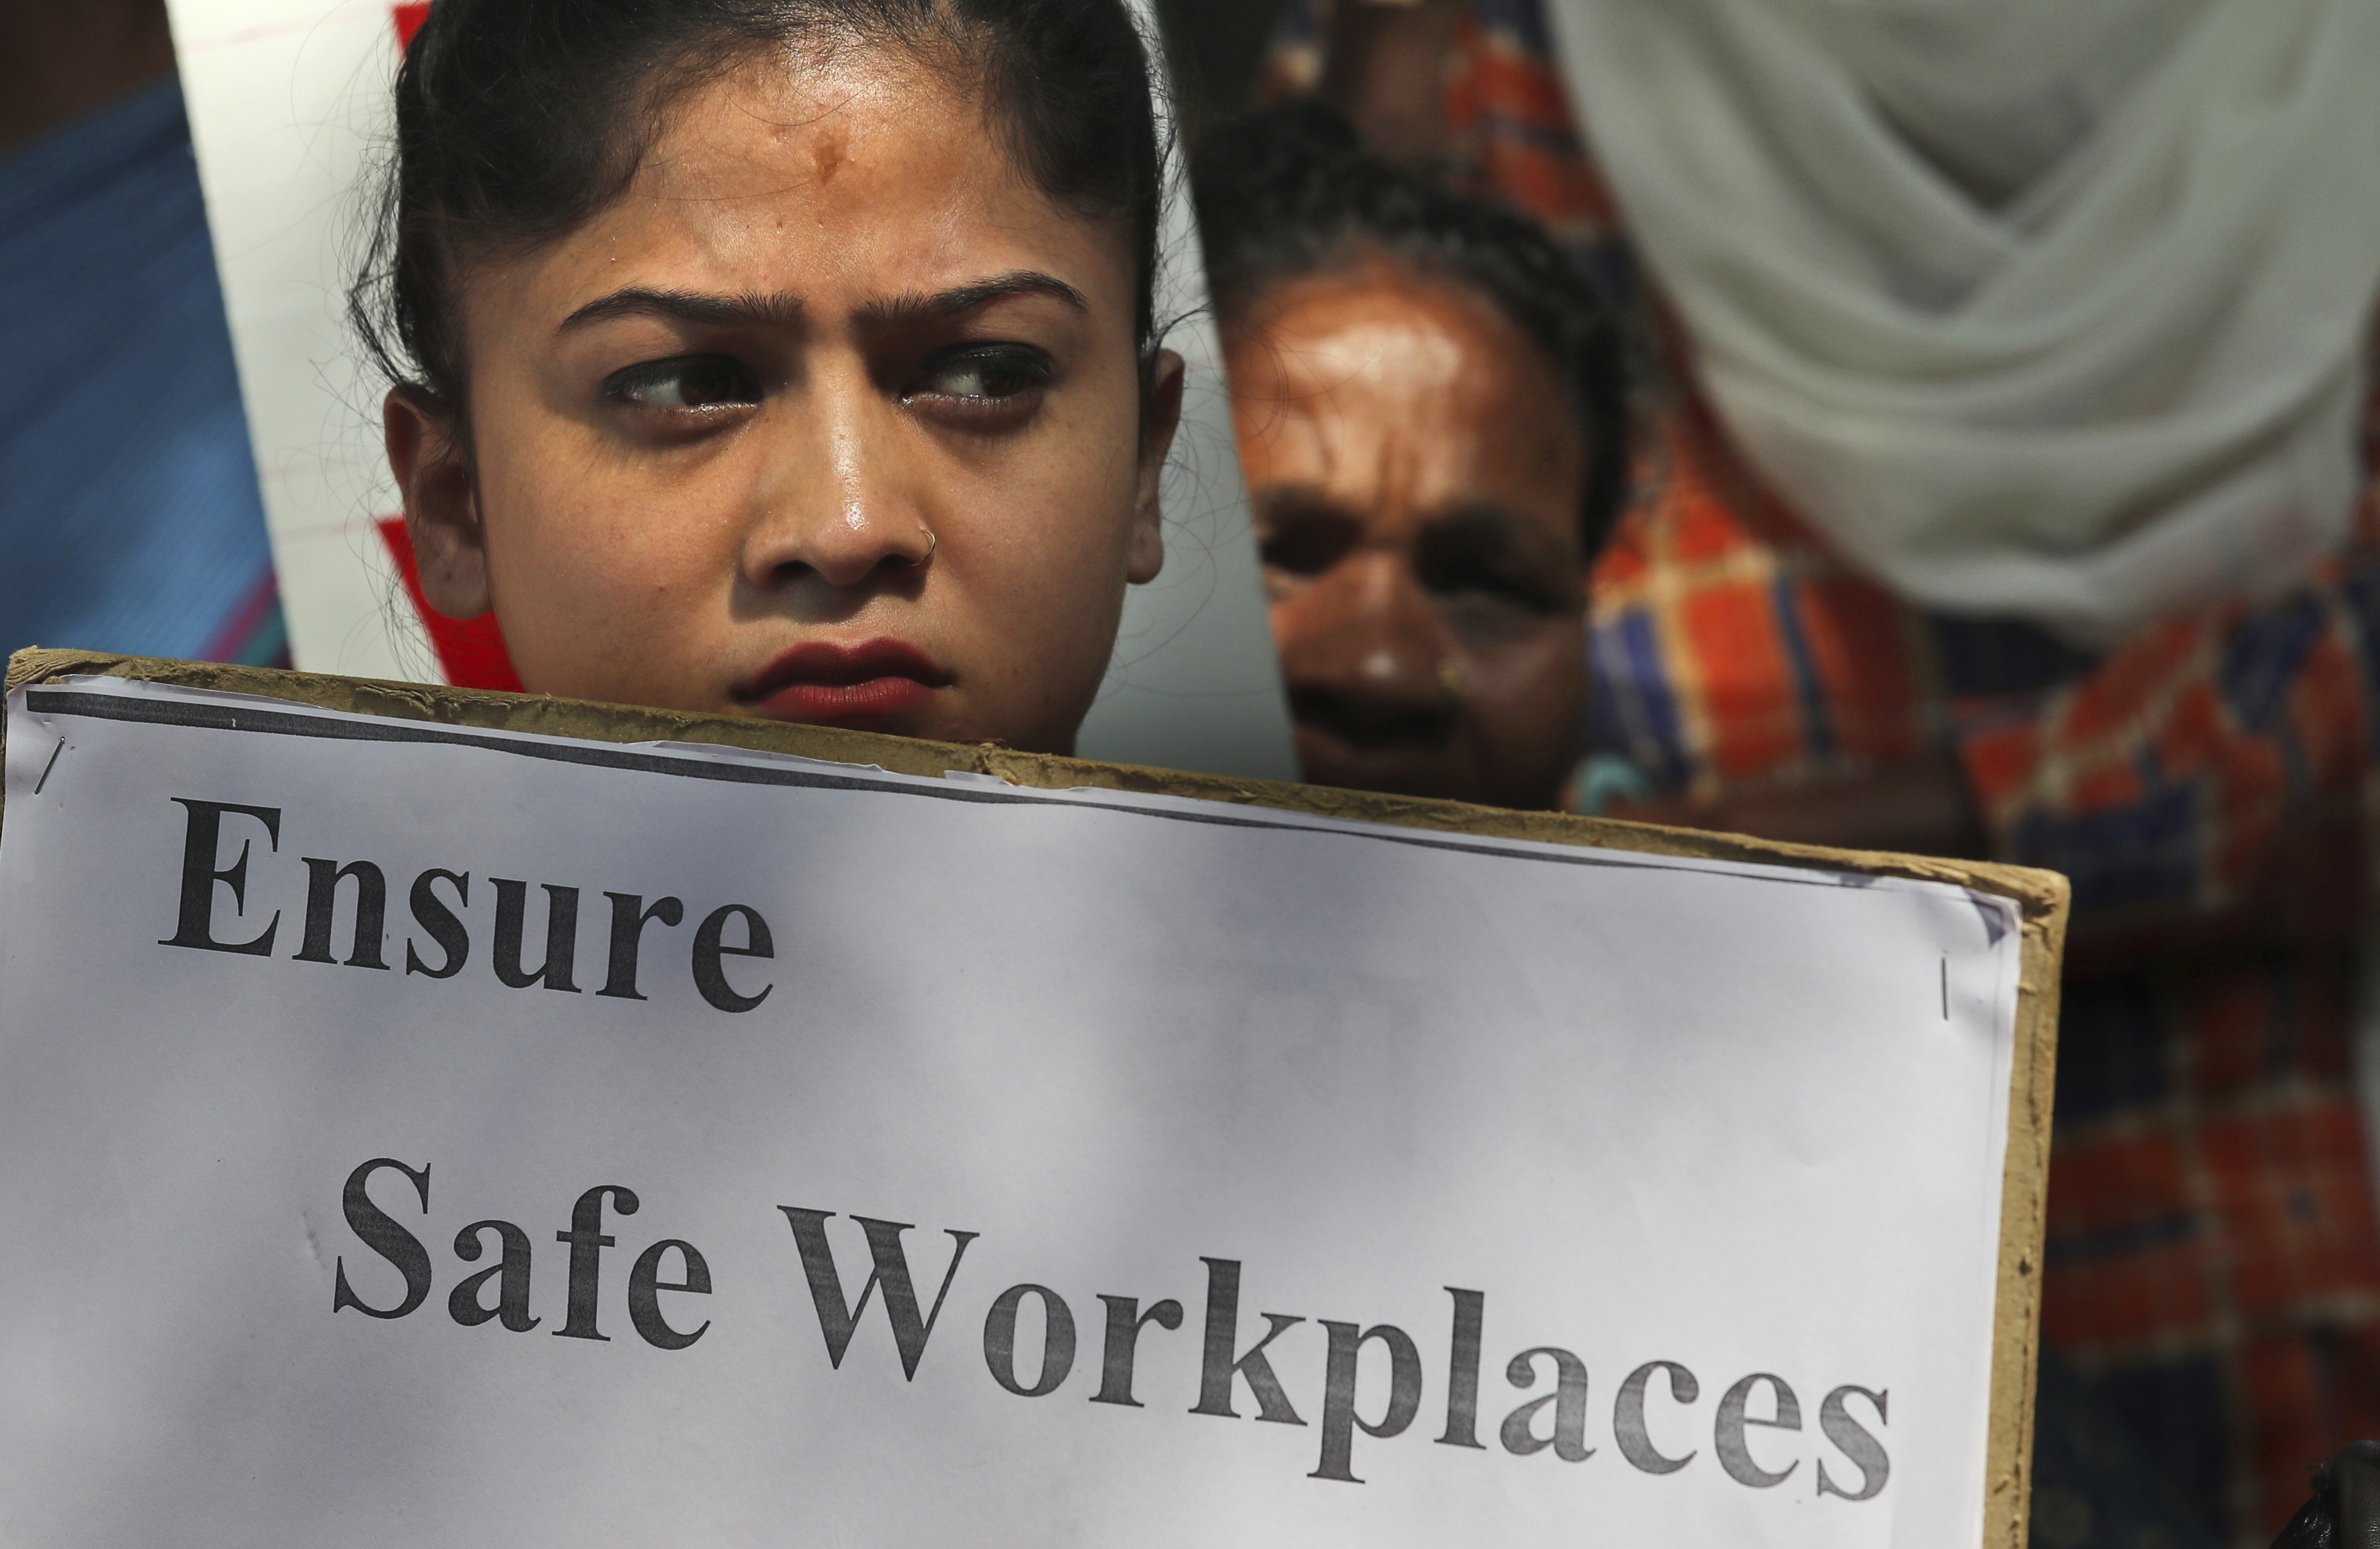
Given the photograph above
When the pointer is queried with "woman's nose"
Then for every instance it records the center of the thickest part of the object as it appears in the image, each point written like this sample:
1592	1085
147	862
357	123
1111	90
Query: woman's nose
1363	656
831	500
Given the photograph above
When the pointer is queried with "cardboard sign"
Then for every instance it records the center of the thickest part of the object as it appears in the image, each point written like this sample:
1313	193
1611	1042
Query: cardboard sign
424	1130
290	114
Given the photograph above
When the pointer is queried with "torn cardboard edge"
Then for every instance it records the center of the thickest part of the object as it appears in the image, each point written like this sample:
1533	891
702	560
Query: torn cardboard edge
2041	898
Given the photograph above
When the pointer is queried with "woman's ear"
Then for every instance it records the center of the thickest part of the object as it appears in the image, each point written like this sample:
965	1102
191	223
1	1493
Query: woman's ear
442	512
1161	415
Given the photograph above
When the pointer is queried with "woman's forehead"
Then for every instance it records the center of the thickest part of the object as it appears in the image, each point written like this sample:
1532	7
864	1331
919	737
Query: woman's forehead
1380	331
1400	397
783	115
839	181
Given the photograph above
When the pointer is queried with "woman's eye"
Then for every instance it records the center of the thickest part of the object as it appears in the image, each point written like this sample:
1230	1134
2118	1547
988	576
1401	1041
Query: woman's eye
688	382
1489	583
981	375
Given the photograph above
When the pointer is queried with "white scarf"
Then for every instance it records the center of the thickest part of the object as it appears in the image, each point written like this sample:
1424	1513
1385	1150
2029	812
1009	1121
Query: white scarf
2055	309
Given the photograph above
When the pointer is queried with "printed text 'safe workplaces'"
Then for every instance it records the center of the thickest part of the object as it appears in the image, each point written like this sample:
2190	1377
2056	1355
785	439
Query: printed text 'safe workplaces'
1553	1421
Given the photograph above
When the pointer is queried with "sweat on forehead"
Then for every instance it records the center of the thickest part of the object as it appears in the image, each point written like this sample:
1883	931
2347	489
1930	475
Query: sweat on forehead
1289	193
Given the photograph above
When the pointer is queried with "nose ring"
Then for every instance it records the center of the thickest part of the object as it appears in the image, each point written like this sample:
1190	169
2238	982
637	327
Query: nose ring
933	542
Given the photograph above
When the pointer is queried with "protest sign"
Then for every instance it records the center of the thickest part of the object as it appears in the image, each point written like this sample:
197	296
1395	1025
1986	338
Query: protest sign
291	118
439	1117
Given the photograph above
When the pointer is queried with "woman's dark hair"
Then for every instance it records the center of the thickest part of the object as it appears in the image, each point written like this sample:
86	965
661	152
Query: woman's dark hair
519	120
1288	192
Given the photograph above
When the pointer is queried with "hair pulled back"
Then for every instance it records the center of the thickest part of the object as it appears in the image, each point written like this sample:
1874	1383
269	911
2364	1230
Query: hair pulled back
519	120
1289	192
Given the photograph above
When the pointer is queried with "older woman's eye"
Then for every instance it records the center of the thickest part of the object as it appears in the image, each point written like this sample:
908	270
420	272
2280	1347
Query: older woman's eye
687	381
981	375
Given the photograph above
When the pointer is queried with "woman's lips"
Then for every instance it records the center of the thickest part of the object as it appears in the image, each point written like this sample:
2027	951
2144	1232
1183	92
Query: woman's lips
836	683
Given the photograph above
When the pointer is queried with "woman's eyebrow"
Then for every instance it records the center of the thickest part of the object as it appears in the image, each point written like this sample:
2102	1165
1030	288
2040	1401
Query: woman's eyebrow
687	305
781	310
919	307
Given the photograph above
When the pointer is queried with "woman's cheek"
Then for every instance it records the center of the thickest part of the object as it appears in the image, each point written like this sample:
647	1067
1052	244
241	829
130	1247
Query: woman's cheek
1046	593
592	605
1533	694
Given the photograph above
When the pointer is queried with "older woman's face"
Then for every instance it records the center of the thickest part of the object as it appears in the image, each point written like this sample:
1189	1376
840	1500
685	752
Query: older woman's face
1417	471
833	417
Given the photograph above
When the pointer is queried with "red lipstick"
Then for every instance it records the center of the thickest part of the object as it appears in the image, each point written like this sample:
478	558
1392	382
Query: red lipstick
839	684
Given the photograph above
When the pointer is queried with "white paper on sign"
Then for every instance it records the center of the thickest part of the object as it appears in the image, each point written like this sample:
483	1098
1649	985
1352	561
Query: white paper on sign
416	1134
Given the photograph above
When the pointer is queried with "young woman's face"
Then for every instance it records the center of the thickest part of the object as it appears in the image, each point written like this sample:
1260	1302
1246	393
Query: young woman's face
1416	471
833	417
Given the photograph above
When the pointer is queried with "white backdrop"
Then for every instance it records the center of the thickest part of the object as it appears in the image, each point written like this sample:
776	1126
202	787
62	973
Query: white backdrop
288	102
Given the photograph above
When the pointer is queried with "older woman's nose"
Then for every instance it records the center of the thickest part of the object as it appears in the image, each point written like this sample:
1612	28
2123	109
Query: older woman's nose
1364	656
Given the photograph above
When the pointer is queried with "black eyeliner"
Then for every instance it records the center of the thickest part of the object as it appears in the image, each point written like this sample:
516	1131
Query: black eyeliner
618	386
